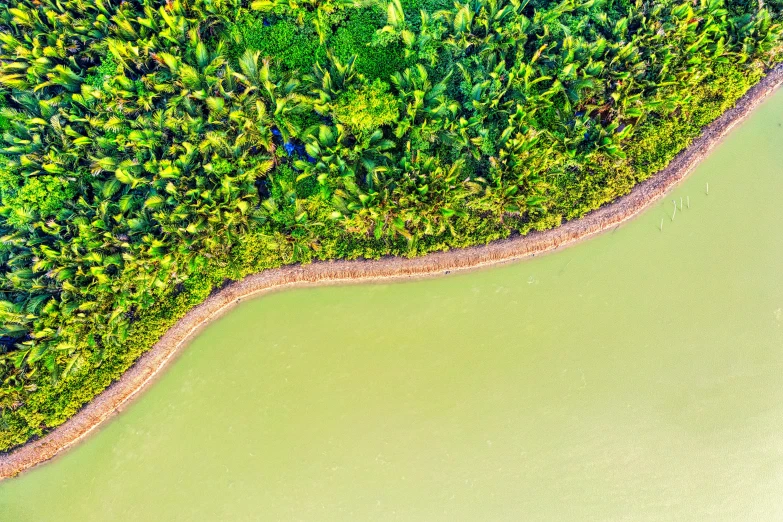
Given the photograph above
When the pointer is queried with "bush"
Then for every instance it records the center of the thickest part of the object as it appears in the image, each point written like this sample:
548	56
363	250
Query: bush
366	107
287	45
354	38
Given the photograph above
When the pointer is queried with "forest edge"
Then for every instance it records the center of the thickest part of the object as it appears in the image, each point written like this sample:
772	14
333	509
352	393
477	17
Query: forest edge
120	393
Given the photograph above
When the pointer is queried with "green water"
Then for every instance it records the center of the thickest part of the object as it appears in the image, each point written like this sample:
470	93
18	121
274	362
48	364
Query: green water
637	376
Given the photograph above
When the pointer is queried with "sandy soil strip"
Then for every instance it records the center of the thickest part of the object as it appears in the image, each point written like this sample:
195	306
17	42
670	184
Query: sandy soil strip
142	373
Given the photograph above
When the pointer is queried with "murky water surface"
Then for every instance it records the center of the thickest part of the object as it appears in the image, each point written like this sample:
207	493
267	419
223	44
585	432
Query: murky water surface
637	376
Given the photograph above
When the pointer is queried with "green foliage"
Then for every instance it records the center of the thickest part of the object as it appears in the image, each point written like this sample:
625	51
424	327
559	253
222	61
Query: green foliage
355	38
33	198
104	71
151	151
285	43
366	107
5	119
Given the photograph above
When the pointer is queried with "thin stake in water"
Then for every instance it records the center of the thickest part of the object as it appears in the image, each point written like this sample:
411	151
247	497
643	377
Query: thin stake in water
689	201
708	189
681	203
675	209
661	227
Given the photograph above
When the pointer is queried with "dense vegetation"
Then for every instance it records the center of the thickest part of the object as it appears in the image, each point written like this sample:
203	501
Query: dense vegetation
153	151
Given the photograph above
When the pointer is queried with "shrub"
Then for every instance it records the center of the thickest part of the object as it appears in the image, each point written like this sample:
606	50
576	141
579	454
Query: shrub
288	45
366	107
353	38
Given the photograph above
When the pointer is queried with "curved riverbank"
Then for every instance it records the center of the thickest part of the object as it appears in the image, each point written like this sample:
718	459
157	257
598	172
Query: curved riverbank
151	363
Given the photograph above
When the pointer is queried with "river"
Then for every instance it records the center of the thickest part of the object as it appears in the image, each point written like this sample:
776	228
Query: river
636	376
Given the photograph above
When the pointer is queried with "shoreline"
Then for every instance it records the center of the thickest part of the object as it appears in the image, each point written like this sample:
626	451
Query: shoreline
143	372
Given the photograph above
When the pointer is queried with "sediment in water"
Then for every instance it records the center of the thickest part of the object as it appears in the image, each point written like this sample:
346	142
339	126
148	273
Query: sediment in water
121	392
